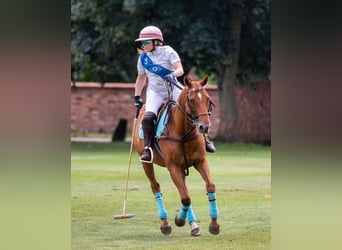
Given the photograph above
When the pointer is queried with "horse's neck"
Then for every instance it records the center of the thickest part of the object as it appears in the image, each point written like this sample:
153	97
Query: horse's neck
180	123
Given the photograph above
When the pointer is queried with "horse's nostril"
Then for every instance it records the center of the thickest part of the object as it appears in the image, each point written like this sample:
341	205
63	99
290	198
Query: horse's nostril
203	129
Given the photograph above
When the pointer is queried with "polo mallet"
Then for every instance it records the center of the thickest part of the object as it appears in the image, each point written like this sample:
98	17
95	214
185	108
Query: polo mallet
124	215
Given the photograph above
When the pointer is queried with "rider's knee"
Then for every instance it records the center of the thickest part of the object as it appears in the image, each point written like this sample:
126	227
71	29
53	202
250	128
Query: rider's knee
148	120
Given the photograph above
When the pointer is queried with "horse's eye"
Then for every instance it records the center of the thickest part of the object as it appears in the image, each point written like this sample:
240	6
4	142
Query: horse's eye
192	101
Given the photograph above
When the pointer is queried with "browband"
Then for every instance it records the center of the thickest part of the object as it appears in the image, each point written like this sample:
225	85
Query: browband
195	89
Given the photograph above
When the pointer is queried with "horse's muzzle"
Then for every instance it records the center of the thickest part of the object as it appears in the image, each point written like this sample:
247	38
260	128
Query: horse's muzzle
203	128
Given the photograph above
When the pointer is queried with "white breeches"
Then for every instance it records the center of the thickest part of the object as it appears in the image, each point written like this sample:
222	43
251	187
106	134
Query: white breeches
154	100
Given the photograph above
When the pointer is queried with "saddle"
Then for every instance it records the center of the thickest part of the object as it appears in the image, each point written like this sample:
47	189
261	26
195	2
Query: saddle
163	118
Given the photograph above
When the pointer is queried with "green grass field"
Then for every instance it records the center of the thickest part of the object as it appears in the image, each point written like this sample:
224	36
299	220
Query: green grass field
241	172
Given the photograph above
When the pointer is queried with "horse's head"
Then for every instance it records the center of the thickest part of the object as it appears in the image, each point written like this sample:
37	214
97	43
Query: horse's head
198	104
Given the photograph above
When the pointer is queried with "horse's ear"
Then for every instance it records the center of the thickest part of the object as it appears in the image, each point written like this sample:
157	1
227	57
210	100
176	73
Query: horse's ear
186	81
204	81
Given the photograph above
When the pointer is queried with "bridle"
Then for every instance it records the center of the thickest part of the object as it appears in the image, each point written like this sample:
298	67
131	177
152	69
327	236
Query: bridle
192	118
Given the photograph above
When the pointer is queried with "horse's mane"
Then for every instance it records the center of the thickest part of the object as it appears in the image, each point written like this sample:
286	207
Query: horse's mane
181	97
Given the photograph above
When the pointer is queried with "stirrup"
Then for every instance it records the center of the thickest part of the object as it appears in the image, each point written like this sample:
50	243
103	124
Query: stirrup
147	150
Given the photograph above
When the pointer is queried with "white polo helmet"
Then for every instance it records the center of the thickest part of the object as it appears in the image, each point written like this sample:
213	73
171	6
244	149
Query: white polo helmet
150	33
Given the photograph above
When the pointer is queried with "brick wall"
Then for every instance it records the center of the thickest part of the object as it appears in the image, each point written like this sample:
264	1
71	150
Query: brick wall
99	109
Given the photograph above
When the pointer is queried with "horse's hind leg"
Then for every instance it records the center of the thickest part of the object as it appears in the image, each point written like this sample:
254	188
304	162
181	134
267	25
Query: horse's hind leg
165	226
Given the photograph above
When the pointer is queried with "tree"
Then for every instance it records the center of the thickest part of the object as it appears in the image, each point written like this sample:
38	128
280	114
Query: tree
217	32
226	72
226	39
101	41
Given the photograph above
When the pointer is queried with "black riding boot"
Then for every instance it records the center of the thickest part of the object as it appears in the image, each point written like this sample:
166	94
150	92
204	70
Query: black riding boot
148	124
209	146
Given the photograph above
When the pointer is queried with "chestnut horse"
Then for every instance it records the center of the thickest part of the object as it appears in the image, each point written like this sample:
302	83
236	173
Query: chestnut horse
181	146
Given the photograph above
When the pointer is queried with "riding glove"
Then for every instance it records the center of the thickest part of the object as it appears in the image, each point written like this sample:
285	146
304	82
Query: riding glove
170	78
138	102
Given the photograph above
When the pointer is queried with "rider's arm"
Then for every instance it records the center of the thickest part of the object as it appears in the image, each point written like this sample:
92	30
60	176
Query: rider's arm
139	84
178	69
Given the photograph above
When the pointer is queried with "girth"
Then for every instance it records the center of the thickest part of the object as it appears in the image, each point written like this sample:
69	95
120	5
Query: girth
182	141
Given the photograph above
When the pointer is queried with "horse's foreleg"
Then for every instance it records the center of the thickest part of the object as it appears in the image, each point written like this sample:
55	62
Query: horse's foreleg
184	212
186	209
195	231
203	169
179	180
180	218
165	226
214	227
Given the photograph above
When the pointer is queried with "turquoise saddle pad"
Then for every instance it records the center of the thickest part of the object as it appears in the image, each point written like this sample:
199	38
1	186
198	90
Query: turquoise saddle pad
161	123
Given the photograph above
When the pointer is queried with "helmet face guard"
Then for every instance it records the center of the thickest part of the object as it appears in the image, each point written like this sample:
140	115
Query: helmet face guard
150	33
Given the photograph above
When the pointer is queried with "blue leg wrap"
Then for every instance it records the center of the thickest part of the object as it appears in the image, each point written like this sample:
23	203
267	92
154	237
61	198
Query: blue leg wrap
183	212
191	215
160	204
214	213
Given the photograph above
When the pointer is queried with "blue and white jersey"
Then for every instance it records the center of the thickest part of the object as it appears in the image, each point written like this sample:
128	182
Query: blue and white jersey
164	56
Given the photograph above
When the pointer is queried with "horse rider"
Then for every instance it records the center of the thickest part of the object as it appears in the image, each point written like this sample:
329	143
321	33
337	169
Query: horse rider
156	65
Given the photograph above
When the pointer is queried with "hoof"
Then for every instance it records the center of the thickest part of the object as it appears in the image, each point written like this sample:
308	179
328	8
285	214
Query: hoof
214	229
179	222
166	228
196	232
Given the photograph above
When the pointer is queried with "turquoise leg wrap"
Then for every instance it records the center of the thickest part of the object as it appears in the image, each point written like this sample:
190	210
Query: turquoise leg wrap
183	212
214	213
160	204
191	215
